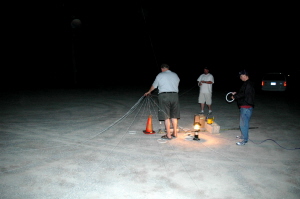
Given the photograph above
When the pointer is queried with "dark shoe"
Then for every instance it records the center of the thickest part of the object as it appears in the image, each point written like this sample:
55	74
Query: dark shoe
241	143
173	136
165	137
239	137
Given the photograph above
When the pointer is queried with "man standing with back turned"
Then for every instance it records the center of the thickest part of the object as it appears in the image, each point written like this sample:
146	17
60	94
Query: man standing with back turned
205	82
167	83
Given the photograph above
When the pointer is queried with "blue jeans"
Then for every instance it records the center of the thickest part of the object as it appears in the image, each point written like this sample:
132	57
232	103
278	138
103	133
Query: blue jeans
245	115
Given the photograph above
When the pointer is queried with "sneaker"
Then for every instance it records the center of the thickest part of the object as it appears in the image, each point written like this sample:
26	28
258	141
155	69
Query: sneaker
209	111
241	143
239	137
202	112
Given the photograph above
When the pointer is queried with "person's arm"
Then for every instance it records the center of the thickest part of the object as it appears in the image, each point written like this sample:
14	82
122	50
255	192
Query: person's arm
150	90
207	82
232	97
241	93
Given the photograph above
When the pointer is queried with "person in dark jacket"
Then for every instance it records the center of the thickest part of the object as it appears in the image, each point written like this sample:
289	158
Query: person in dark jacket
245	102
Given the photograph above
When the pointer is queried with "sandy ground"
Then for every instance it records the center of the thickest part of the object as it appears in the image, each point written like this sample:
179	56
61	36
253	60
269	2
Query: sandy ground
89	143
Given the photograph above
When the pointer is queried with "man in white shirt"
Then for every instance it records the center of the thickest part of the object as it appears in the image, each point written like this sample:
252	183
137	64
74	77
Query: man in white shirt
167	83
205	82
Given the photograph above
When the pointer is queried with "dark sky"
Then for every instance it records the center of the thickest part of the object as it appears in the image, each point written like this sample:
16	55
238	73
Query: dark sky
125	43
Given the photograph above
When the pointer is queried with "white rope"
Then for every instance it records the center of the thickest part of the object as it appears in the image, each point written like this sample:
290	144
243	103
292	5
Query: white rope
117	121
230	93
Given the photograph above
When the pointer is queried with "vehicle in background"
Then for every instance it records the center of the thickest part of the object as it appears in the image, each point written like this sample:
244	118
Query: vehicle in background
274	82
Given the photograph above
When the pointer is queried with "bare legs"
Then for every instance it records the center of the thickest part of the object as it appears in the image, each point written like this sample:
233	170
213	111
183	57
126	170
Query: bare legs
168	126
202	106
209	107
175	127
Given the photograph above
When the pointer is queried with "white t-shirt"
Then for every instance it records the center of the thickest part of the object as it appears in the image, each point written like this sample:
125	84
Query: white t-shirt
167	81
206	88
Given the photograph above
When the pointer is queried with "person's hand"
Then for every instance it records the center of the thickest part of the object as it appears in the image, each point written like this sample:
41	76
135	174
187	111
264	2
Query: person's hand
148	93
232	96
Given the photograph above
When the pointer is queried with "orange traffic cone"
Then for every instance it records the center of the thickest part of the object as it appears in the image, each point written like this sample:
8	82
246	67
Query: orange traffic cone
149	126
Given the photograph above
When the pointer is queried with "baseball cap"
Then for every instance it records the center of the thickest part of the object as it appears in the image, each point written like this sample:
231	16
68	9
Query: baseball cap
243	72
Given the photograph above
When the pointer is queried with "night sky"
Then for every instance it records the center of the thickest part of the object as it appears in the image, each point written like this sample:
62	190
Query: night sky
125	43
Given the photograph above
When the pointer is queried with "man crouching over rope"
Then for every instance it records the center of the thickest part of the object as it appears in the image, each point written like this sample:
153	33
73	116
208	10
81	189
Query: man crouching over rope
167	83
